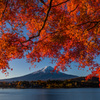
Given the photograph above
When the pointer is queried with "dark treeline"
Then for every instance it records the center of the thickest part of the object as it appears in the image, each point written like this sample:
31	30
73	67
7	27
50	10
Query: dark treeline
70	83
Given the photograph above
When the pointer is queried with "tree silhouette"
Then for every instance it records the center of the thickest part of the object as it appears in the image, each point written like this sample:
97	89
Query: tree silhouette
64	30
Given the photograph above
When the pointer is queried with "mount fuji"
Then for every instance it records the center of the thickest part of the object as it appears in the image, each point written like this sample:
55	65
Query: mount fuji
42	74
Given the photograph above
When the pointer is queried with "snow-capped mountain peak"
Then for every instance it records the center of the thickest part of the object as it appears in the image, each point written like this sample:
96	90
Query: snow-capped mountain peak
47	69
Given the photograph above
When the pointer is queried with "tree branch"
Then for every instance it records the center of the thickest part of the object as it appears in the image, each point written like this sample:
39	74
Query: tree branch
43	24
88	22
60	3
42	1
93	26
73	9
4	9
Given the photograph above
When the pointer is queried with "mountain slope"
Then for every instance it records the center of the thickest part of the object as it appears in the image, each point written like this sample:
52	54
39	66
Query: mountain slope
43	74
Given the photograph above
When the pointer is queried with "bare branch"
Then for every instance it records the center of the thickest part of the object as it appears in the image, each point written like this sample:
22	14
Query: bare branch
60	3
43	24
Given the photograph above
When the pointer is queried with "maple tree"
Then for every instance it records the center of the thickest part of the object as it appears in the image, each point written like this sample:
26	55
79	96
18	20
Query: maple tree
64	30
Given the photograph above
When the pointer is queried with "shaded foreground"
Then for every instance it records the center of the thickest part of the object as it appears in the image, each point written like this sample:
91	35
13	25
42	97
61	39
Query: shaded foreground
70	83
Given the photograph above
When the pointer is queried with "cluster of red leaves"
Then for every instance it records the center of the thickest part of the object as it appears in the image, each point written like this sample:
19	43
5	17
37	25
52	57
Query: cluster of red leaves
63	30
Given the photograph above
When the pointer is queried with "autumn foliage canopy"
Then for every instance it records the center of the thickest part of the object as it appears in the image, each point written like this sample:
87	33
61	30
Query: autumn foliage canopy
64	30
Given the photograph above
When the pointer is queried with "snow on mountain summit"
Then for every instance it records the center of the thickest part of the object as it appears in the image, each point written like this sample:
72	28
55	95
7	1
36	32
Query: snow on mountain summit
47	69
